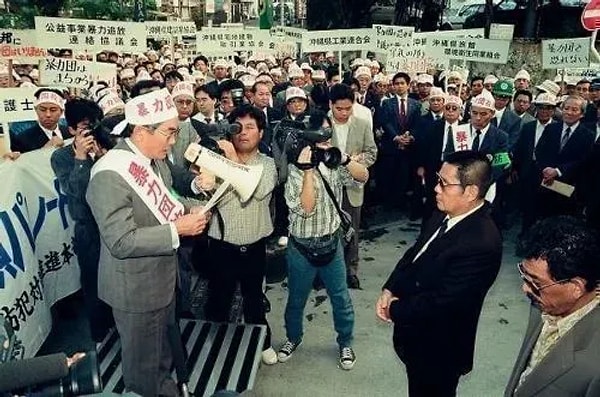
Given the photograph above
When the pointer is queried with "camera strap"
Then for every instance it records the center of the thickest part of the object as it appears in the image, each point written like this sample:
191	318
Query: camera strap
332	196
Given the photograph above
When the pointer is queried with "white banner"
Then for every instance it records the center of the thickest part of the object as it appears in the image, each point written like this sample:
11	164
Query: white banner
414	66
160	29
64	72
219	40
477	50
500	31
291	33
584	73
20	45
105	72
37	264
392	36
16	104
566	53
338	40
91	35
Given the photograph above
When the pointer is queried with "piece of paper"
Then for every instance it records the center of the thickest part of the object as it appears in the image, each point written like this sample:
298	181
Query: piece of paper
215	197
561	188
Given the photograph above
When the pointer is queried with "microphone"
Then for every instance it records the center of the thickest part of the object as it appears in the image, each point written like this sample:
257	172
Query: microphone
18	374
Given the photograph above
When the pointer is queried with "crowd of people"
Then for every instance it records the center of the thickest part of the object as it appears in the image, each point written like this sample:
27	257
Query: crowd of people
470	157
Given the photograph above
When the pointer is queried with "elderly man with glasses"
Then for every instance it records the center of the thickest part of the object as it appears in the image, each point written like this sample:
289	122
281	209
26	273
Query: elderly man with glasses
560	274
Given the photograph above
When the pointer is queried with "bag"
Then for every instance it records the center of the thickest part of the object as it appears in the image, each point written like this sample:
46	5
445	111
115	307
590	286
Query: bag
345	218
319	251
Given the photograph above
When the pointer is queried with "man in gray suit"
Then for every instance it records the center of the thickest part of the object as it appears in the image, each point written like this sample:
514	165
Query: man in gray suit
561	349
352	135
140	223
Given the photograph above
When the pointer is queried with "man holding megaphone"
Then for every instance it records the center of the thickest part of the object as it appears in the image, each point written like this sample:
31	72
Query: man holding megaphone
242	222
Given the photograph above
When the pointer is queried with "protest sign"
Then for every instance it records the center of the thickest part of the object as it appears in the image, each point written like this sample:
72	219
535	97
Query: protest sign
160	29
290	33
16	104
566	53
20	45
104	72
477	50
37	264
500	31
414	66
91	35
225	41
64	72
584	73
388	36
338	40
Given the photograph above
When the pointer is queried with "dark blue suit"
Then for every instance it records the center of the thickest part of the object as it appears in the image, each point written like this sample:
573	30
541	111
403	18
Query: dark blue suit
32	139
511	124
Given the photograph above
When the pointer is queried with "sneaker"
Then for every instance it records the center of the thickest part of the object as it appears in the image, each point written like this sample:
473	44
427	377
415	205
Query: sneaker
286	351
269	356
282	241
347	358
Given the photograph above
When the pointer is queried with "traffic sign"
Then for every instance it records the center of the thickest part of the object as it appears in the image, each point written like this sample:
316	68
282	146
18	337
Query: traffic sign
590	18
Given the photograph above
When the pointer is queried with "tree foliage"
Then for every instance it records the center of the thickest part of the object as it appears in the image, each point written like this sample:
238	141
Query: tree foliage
338	14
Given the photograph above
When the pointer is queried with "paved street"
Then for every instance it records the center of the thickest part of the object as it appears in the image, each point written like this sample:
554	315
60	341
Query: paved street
312	371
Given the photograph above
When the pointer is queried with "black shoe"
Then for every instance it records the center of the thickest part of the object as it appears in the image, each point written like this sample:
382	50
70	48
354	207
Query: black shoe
353	282
318	284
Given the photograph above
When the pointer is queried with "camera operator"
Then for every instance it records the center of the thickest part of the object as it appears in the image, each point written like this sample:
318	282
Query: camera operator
72	165
237	250
231	96
206	102
314	228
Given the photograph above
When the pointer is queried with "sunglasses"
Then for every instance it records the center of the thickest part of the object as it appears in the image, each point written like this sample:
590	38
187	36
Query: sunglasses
536	289
442	183
451	107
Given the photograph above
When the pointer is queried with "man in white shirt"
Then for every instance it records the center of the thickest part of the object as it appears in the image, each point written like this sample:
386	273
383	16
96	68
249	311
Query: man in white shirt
206	103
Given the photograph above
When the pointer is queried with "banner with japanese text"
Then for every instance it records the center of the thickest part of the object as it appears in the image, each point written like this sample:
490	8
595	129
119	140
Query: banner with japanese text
20	45
225	41
392	36
566	53
338	40
160	29
37	264
64	72
289	32
91	35
470	49
16	104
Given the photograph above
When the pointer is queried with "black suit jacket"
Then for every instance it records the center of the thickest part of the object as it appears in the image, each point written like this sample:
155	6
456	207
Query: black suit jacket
273	116
442	292
523	161
495	141
568	160
429	148
511	124
393	125
32	139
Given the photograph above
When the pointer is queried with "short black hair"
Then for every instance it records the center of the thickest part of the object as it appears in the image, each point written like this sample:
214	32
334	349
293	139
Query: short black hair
583	81
252	112
173	74
79	109
527	93
568	245
340	92
207	89
331	72
145	86
200	58
136	69
402	75
474	168
44	89
229	85
259	83
477	78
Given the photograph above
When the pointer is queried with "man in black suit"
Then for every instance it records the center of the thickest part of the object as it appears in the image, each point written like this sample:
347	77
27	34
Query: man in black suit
263	99
524	166
435	294
399	116
559	155
220	72
49	106
505	118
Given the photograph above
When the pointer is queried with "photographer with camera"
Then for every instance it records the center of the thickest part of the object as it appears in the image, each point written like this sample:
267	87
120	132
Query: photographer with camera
231	96
237	249
313	191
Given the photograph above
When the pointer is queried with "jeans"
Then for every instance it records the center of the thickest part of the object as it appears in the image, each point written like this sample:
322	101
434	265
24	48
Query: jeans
300	277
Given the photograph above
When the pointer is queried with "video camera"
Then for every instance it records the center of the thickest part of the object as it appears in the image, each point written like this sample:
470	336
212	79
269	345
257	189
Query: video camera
211	133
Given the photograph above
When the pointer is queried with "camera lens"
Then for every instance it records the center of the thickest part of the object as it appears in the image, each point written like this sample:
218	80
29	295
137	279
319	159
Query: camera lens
332	157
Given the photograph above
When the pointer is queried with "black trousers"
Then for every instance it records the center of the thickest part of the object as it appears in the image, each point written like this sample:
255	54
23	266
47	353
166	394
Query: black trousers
433	380
281	222
230	264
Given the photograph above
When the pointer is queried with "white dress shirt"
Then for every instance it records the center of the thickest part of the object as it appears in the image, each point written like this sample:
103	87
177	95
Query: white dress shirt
49	133
498	115
341	133
539	130
481	136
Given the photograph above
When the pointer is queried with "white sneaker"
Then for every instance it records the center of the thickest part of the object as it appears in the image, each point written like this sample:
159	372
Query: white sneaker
282	241
269	356
347	358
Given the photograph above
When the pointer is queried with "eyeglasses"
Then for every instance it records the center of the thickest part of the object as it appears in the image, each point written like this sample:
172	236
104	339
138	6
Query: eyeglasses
443	184
173	134
451	107
186	102
533	286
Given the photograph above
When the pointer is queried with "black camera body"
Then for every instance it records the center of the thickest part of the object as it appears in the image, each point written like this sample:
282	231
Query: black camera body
237	97
211	133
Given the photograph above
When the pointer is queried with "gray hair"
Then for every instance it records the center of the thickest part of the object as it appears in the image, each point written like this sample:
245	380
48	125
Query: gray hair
582	102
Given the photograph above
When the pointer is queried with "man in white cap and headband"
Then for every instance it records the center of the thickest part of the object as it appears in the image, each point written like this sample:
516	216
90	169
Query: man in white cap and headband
140	223
49	106
522	80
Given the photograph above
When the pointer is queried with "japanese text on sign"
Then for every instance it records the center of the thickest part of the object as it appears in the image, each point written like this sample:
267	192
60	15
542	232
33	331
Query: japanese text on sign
16	104
392	36
478	50
294	34
91	35
20	44
66	72
566	53
165	29
215	40
338	40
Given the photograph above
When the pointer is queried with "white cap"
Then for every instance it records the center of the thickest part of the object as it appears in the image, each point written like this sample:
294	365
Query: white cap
239	69
319	75
523	74
177	55
453	100
127	73
490	79
362	71
455	74
183	70
183	88
294	92
276	72
381	78
484	100
545	98
248	80
367	63
110	101
50	97
550	87
375	64
142	76
271	60
262	67
306	66
436	92
220	63
197	74
425	78
264	78
329	54
152	108
295	72
357	62
95	92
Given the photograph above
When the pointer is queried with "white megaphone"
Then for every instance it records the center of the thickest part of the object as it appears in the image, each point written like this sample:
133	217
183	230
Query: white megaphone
243	178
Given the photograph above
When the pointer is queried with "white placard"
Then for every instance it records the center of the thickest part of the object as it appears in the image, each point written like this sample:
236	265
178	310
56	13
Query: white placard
20	45
291	33
160	29
91	35
500	31
413	66
584	73
392	36
477	50
338	40
566	53
105	72
63	72
16	104
219	40
37	264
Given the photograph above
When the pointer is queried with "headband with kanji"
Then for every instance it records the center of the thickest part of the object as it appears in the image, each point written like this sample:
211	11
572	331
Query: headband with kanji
152	108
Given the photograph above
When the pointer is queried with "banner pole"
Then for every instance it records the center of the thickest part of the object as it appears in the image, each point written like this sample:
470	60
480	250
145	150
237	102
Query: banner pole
340	65
6	132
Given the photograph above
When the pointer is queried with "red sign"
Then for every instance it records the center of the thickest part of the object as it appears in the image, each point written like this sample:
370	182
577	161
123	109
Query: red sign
590	18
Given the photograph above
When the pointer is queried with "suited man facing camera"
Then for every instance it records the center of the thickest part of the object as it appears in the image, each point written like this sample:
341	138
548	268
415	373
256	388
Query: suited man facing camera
140	224
560	351
435	294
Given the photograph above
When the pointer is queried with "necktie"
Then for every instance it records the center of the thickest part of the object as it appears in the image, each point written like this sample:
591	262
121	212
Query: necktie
475	145
442	229
449	148
207	120
565	138
402	108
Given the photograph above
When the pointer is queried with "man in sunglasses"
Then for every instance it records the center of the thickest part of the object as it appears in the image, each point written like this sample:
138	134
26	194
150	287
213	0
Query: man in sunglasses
435	293
560	274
